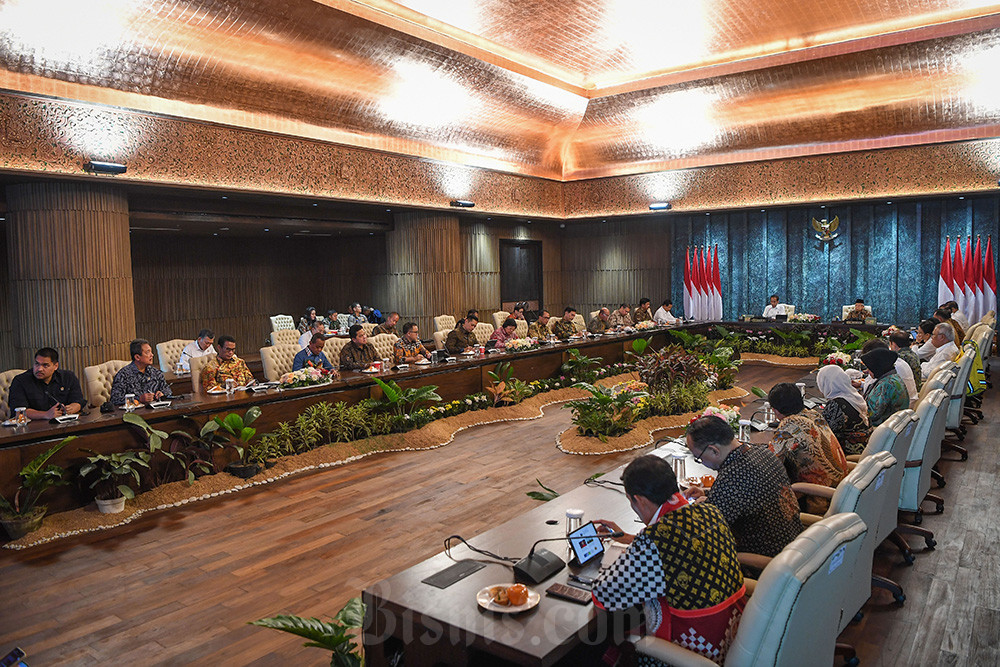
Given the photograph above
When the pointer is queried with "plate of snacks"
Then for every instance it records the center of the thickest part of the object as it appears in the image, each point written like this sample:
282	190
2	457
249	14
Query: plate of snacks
507	598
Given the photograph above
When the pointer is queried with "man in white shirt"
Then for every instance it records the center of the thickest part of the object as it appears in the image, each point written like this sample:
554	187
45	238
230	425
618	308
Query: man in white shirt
944	340
317	327
663	315
774	309
957	315
197	348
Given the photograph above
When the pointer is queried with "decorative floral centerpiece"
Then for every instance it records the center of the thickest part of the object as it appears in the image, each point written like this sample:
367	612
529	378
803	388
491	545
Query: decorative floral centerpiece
520	345
891	330
305	377
803	317
729	415
841	359
648	324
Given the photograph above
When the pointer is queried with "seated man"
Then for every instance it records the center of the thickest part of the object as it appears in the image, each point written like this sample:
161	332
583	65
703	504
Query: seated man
682	567
539	329
317	328
226	366
957	315
923	346
620	318
899	342
389	326
332	321
565	328
944	315
45	390
773	309
409	349
945	349
355	316
663	314
858	313
599	324
642	312
804	443
311	356
140	377
751	488
472	313
505	333
197	348
359	354
461	339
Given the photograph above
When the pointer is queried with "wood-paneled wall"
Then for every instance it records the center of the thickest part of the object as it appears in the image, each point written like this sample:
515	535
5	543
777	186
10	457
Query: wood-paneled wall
606	264
232	285
70	272
7	357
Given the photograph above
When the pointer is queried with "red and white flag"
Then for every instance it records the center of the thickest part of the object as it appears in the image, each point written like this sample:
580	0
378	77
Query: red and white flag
946	283
706	284
688	301
958	275
989	279
970	278
717	286
977	284
697	293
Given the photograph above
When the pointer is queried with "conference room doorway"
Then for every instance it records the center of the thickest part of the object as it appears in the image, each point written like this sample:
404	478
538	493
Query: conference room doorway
521	274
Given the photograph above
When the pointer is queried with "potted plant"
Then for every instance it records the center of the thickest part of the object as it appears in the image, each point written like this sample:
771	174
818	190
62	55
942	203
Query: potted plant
23	514
192	454
112	475
334	635
234	432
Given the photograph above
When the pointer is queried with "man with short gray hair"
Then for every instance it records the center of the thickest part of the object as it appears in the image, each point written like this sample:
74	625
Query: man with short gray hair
944	340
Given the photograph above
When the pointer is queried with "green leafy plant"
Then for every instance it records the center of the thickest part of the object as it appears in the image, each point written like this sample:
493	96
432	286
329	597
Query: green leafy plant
189	454
333	635
544	496
234	431
112	474
37	477
579	366
670	365
402	401
757	391
499	389
606	413
722	362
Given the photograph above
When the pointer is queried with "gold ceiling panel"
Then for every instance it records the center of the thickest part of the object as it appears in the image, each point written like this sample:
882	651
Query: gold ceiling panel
565	90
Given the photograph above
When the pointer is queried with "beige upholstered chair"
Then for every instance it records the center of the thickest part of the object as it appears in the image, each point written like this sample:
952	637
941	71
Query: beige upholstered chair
789	308
285	337
483	331
279	322
5	379
168	352
848	308
332	349
277	360
498	318
439	338
592	315
383	344
924	452
581	326
197	366
98	380
368	326
342	319
444	323
794	615
522	329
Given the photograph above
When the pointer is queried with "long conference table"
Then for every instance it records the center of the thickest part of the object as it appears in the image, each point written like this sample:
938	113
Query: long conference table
108	433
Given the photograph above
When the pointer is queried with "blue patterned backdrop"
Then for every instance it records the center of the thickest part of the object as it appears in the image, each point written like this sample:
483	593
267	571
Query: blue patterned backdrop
888	253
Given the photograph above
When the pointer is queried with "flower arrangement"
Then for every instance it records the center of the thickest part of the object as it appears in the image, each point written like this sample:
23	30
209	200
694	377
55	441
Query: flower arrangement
803	317
520	345
304	377
729	415
841	359
648	324
891	330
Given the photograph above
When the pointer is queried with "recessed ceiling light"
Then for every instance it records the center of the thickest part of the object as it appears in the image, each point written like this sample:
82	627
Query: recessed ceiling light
888	202
562	225
708	214
214	234
225	197
388	210
659	206
959	198
823	206
315	204
223	229
266	229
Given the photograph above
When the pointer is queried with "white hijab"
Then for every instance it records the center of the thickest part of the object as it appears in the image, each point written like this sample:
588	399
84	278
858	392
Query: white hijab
835	383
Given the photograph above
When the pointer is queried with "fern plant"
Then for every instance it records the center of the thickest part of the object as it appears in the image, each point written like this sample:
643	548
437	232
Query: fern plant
333	635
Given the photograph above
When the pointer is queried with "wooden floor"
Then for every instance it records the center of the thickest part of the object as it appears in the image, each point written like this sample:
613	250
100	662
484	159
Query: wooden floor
178	587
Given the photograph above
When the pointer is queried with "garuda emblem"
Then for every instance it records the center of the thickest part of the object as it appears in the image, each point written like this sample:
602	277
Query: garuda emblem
826	228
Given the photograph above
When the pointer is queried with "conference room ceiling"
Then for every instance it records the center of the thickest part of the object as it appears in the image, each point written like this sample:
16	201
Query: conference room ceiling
565	90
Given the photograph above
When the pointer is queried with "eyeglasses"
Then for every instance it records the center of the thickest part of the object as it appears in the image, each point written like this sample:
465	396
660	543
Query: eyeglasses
697	458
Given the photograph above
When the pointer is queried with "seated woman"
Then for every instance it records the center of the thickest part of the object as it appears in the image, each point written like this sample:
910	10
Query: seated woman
846	410
505	333
923	346
307	320
887	394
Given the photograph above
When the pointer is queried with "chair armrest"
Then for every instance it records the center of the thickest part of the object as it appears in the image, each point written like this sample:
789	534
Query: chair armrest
670	653
753	560
813	490
751	585
808	519
854	458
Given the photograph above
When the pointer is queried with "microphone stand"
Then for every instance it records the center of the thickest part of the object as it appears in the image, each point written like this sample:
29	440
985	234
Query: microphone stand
541	564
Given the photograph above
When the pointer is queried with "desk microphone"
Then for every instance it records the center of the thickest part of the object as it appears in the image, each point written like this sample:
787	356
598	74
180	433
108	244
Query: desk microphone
542	564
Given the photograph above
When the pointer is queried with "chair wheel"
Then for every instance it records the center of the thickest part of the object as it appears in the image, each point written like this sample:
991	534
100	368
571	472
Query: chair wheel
853	662
965	456
901	598
857	617
939	509
931	542
918	519
942	483
908	557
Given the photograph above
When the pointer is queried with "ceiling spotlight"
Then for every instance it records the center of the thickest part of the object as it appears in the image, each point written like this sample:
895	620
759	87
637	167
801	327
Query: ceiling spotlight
98	167
225	197
315	204
659	206
562	225
462	203
266	229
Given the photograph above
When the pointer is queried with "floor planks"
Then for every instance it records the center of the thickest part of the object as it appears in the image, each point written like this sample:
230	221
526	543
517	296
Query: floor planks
179	587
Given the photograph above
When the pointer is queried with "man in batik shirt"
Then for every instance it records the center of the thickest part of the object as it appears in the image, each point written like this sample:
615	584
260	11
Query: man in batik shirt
620	318
359	354
409	349
565	328
805	444
226	366
682	567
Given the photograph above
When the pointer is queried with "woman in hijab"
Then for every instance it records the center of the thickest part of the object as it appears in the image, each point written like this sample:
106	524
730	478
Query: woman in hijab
846	410
888	394
307	320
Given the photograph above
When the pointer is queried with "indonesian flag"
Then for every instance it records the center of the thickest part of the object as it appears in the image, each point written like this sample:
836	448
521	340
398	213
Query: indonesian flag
946	283
688	300
977	285
958	274
970	278
697	298
706	285
717	285
989	279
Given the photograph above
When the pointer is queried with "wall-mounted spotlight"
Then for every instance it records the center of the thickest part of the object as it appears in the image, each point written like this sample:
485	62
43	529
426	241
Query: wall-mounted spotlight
462	203
98	167
659	206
